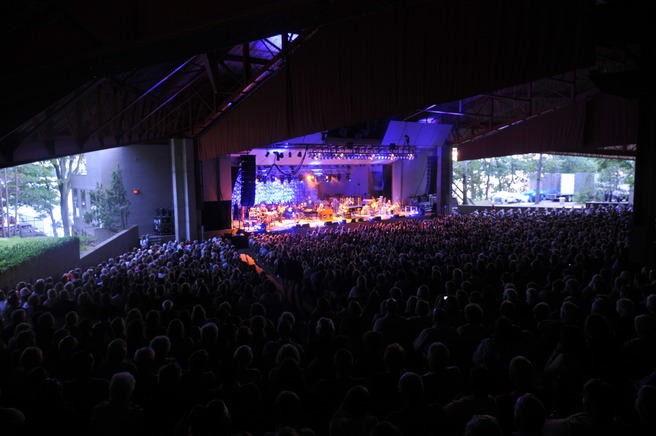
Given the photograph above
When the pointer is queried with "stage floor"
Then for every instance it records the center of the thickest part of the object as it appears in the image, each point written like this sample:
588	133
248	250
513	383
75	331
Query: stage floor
279	226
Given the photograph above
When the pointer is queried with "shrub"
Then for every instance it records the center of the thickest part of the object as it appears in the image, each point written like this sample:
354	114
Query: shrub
14	251
583	196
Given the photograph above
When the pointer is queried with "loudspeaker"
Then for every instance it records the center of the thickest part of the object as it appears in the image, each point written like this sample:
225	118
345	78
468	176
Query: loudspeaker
240	241
162	225
247	164
216	215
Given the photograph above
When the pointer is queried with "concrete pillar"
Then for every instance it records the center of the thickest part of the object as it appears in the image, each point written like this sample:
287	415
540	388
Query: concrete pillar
185	207
444	179
397	181
643	235
409	177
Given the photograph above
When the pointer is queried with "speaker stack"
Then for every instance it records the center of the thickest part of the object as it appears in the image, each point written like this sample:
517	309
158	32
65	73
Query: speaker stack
216	215
163	222
248	170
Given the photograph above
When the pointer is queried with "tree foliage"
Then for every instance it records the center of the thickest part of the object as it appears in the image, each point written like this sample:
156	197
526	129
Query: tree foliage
109	206
14	251
484	177
36	189
65	168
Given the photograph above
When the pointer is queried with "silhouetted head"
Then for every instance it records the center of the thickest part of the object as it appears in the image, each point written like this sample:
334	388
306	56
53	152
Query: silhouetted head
529	414
121	387
482	425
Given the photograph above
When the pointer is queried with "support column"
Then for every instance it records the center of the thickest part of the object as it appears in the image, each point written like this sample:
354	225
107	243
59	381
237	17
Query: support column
643	235
185	207
397	181
444	179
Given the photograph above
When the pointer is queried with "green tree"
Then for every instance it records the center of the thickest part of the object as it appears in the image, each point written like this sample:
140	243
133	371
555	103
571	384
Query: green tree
65	168
34	185
615	172
109	207
37	190
118	197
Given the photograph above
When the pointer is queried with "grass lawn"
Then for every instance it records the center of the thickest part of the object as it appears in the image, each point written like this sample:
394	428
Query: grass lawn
14	251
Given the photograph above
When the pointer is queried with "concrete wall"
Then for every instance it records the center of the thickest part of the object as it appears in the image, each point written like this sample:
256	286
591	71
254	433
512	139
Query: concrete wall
118	244
146	167
217	178
65	257
53	262
409	176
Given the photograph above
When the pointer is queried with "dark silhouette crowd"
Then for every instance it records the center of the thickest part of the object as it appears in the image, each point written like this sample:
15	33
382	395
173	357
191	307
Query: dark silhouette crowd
501	323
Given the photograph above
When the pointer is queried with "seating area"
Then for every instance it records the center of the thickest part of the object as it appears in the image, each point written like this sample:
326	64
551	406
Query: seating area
492	323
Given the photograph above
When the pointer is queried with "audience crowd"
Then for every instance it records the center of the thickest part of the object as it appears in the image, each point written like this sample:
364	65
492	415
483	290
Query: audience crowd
531	323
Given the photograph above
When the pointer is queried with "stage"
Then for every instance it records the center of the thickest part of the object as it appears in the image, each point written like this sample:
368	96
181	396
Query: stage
255	226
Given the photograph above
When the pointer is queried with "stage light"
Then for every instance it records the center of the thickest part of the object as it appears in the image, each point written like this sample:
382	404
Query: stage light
299	154
290	154
267	154
136	191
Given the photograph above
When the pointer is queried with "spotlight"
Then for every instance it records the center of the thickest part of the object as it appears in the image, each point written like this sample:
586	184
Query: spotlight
267	154
299	154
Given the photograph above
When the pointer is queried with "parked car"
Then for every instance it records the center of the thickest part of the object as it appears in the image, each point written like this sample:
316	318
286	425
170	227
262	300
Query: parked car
505	197
546	194
531	196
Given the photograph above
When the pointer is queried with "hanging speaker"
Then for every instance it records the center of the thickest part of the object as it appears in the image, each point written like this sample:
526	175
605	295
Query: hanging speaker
247	164
216	215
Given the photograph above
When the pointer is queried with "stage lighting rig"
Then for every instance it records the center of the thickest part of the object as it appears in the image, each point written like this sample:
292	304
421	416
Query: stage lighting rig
362	152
